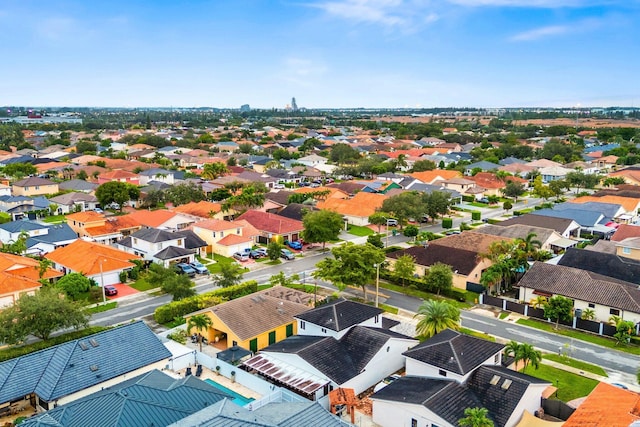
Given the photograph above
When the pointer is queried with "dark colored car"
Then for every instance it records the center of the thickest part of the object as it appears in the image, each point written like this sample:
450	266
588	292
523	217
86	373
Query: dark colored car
110	290
184	268
294	244
255	254
287	254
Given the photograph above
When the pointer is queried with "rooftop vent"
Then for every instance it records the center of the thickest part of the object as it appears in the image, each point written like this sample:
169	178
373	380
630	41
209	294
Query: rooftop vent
83	345
93	368
506	384
494	380
93	342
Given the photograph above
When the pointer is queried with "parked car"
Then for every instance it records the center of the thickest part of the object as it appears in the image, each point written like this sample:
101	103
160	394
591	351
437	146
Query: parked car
114	206
199	267
255	254
184	268
241	256
392	222
294	244
385	382
287	254
262	251
110	290
278	186
484	200
98	210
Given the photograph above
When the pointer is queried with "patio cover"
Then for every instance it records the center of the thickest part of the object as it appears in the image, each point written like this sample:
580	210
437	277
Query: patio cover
564	243
528	420
284	373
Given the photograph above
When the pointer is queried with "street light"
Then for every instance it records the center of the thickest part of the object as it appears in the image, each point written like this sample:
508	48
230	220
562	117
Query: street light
104	295
377	266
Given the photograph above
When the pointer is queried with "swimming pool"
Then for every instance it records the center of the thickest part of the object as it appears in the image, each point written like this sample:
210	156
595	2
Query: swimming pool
237	398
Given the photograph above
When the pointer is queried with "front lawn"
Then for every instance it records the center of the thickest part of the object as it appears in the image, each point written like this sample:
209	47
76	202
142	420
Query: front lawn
54	219
219	260
141	284
570	386
423	295
360	231
100	308
477	334
578	364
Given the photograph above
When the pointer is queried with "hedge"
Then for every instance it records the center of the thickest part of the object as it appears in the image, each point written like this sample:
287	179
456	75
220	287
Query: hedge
468	199
493	221
475	215
447	222
454	293
168	312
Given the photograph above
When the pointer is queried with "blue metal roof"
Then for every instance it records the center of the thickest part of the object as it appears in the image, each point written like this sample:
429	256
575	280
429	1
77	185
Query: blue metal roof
57	233
67	368
582	217
18	226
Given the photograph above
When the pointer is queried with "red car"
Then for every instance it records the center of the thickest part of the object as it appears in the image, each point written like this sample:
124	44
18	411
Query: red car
110	290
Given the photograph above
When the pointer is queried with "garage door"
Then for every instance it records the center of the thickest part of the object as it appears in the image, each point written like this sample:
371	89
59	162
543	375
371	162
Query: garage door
6	301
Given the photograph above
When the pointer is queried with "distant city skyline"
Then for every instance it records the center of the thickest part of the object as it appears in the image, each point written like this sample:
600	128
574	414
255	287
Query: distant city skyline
325	53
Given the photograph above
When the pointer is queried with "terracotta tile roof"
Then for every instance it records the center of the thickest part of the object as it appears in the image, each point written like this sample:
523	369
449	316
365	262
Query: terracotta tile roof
20	274
42	167
629	204
150	218
625	231
85	257
469	240
233	239
631	174
490	180
200	209
216	225
10	284
362	204
119	174
83	160
87	216
271	223
428	177
607	405
128	165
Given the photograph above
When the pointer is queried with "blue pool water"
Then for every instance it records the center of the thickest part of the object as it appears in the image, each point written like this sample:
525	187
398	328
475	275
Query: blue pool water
237	398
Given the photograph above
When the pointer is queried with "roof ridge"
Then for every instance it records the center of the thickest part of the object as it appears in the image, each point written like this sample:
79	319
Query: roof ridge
450	381
61	371
455	354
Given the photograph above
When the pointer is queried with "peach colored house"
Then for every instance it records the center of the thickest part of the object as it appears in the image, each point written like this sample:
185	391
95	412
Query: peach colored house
356	210
119	176
225	237
94	226
34	186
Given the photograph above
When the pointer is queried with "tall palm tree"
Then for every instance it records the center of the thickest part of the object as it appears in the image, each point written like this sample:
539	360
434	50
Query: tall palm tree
530	245
539	301
436	316
199	322
475	417
529	355
512	349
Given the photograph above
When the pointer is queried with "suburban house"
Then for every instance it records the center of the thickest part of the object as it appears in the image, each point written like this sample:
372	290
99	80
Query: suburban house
550	240
42	238
629	206
255	321
162	246
312	160
161	218
21	275
200	210
607	264
604	295
225	237
493	185
166	400
482	165
78	185
74	369
34	186
625	231
628	248
356	210
74	202
553	173
156	174
96	261
590	220
607	405
566	227
461	185
449	373
271	225
19	207
94	226
337	317
119	176
436	175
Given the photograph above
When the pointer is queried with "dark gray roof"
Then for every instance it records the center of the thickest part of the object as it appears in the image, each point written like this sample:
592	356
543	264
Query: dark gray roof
462	260
281	197
73	197
582	217
483	164
561	225
511	161
66	368
55	234
77	185
340	314
191	239
233	354
296	211
455	352
606	264
153	398
608	210
32	181
517	231
156	171
154	235
583	285
173	252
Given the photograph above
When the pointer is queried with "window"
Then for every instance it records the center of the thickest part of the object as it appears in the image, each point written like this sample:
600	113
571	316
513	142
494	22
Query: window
238	231
377	319
214	234
496	359
272	337
179	242
626	250
234	343
135	241
614	312
37	187
442	373
222	234
414	422
592	305
302	325
324	331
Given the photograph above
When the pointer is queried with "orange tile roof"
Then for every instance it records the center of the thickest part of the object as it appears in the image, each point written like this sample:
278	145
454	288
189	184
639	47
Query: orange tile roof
362	204
608	406
119	174
429	177
233	239
10	284
42	167
24	267
490	180
87	216
629	204
625	231
149	218
85	257
200	209
469	240
272	223
216	225
128	165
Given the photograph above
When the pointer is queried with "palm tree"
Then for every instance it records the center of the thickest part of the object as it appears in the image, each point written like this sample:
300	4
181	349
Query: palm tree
529	355
588	314
199	322
512	349
475	417
538	302
435	317
530	245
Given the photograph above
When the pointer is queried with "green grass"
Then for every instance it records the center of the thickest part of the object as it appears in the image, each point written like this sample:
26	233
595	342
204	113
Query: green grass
424	295
578	364
388	308
142	285
54	219
477	334
504	315
274	262
360	231
583	336
219	260
570	386
104	307
175	322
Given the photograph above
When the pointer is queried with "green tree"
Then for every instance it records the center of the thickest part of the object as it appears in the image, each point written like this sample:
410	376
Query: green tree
439	277
19	170
74	284
513	189
541	190
214	170
273	250
558	308
321	226
220	194
436	316
82	175
181	194
116	192
252	196
475	417
612	181
179	286
375	240
281	280
379	219
404	205
436	203
579	179
529	355
17	247
85	146
411	231
557	187
351	265
40	315
625	329
588	314
404	267
507	205
343	153
201	323
230	274
423	165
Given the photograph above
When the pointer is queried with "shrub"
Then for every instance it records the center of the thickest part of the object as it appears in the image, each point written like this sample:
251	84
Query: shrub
123	276
517	213
134	273
447	222
492	221
469	199
475	215
390	249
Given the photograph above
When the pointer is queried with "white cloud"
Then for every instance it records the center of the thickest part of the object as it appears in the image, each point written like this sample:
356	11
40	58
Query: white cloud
385	12
539	33
547	4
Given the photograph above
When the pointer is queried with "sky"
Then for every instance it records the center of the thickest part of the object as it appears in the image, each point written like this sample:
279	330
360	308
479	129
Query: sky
325	53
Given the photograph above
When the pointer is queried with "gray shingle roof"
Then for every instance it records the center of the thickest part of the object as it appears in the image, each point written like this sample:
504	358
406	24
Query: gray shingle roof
340	314
154	235
455	352
462	260
55	234
583	285
606	264
561	225
582	217
173	252
64	369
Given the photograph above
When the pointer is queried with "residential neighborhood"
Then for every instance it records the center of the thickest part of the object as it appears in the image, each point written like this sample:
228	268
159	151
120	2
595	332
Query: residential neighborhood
245	271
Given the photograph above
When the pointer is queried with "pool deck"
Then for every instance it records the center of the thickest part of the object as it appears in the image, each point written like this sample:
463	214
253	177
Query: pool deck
224	381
